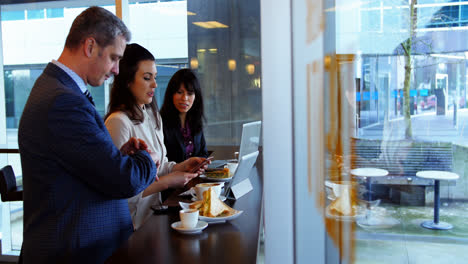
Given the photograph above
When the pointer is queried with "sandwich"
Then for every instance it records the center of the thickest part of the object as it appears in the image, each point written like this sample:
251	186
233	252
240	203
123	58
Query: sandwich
212	206
344	205
217	173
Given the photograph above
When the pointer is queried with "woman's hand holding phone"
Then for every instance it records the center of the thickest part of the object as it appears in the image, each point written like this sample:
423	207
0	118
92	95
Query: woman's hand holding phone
201	165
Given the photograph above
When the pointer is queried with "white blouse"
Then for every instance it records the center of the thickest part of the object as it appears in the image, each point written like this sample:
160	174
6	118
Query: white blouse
121	129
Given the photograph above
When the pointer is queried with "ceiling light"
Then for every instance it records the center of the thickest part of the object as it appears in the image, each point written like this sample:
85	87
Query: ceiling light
232	65
210	24
194	63
250	68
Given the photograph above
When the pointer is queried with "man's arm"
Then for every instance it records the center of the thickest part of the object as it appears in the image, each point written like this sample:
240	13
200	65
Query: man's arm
84	147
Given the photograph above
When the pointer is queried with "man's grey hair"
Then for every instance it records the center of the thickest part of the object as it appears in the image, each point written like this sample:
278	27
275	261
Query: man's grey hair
98	23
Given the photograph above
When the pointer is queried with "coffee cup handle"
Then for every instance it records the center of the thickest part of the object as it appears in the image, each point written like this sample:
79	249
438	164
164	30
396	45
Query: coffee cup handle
194	195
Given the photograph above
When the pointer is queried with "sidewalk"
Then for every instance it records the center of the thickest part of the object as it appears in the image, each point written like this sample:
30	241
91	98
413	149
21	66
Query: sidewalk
426	127
408	242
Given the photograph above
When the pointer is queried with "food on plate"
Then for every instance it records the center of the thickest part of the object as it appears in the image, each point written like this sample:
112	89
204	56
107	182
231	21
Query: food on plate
344	205
212	206
217	173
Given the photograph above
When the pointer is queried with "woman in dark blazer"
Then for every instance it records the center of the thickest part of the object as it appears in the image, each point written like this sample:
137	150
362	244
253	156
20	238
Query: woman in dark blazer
182	115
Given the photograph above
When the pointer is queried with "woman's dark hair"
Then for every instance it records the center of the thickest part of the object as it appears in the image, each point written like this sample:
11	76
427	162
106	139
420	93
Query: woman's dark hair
169	112
121	98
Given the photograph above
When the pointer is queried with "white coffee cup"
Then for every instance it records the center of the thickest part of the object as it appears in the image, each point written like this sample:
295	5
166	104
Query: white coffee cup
232	166
188	218
202	187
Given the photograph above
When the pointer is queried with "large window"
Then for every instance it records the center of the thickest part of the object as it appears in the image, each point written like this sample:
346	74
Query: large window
408	90
226	58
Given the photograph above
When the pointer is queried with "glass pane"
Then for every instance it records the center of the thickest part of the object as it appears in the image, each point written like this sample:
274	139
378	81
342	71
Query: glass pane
12	15
36	14
226	54
18	84
226	57
396	144
31	38
167	44
11	213
16	221
55	12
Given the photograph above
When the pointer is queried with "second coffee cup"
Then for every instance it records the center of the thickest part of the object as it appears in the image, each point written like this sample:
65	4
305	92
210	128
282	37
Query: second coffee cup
201	187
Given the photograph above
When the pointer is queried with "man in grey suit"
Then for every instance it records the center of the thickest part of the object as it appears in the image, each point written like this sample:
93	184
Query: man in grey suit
75	180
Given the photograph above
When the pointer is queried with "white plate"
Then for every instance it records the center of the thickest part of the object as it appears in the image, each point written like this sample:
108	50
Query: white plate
221	197
197	229
203	176
329	214
220	219
213	219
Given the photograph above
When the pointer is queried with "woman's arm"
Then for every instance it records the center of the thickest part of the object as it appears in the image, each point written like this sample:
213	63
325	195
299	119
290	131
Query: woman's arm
175	179
119	129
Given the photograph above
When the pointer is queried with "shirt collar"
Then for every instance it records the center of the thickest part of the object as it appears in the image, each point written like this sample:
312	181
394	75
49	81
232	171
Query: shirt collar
72	75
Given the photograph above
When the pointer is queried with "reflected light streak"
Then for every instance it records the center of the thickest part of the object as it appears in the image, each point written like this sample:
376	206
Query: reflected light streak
257	83
250	68
448	56
232	65
210	24
194	63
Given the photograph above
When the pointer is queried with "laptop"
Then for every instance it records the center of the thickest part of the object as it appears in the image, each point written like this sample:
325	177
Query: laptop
242	172
250	140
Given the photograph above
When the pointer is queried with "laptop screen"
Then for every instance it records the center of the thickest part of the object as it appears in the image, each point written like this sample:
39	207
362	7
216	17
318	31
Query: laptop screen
250	139
242	172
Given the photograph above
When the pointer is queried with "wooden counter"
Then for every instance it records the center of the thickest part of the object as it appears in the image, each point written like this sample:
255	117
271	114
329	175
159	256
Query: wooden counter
235	241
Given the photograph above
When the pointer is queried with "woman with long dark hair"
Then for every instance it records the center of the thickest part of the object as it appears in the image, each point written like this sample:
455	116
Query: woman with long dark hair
133	112
182	114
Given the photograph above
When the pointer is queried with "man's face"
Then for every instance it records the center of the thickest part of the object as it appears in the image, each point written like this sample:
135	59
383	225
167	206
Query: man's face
105	62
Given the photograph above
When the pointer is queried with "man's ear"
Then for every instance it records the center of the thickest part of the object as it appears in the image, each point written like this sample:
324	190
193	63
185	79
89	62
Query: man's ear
90	46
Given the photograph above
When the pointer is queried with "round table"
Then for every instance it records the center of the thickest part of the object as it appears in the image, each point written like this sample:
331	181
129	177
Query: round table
437	176
368	173
371	220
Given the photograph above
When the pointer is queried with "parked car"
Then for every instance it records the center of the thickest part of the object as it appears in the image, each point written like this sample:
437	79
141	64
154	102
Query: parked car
429	102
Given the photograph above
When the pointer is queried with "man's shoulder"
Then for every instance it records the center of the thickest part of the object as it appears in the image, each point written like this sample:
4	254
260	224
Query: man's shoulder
51	84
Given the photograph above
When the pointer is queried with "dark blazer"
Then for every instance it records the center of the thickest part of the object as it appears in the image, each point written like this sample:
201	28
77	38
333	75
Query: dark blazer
75	180
174	142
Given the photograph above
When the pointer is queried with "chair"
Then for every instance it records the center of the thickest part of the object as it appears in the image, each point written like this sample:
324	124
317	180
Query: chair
8	189
10	192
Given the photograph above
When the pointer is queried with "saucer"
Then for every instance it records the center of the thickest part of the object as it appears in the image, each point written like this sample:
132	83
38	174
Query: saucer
221	197
197	229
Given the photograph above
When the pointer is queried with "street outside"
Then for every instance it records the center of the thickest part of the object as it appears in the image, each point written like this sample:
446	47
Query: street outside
426	126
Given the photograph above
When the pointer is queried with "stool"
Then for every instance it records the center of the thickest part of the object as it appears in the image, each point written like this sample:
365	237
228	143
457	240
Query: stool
8	189
437	176
372	221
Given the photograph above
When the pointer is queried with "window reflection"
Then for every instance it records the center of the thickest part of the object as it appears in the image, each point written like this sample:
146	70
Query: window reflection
225	55
220	55
32	35
396	111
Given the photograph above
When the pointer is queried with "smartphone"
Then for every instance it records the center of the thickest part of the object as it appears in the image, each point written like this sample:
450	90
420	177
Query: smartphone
202	164
159	208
